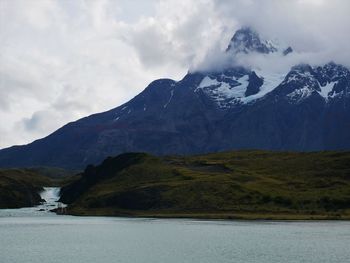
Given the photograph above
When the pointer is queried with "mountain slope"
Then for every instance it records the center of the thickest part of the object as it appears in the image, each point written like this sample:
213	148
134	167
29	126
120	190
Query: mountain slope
305	109
243	184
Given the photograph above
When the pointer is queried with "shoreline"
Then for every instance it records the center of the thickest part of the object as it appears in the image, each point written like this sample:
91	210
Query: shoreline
268	217
216	216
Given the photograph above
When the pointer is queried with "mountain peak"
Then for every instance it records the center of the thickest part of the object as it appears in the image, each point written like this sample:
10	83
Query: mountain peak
247	40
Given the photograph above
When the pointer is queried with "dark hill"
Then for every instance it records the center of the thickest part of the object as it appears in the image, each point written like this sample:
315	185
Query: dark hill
21	187
243	184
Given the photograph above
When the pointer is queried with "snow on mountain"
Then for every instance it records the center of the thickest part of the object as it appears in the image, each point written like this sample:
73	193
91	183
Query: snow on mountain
328	81
238	85
270	81
228	91
300	94
326	89
224	90
229	88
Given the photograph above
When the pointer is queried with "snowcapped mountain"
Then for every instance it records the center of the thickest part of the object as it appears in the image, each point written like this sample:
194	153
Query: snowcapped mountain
247	40
329	82
237	86
305	109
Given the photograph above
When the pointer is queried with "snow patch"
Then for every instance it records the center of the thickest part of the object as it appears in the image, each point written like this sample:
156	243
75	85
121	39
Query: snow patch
271	81
222	92
207	82
300	94
235	92
171	96
298	76
325	90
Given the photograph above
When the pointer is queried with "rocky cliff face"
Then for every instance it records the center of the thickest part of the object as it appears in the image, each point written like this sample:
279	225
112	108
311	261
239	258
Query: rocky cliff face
305	109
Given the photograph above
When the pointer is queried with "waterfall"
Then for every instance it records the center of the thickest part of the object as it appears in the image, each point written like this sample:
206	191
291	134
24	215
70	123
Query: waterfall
51	194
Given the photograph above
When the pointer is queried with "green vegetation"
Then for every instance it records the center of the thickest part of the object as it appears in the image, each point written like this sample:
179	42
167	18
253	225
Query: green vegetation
21	187
241	184
53	172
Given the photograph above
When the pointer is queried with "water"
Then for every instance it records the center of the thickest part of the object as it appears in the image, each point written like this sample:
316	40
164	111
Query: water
50	194
49	238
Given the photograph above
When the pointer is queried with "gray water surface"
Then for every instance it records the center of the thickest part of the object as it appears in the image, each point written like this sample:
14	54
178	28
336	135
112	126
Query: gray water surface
47	238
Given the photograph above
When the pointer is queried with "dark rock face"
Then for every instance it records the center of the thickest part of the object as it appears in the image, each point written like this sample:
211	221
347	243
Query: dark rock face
287	51
254	84
307	109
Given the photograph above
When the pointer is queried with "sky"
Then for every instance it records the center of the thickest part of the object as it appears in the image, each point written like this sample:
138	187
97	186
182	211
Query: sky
61	60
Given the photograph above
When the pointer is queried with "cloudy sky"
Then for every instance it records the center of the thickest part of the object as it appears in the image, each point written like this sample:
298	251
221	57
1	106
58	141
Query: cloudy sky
61	60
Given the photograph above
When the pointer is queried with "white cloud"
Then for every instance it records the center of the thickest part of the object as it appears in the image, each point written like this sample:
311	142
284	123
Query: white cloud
307	25
61	60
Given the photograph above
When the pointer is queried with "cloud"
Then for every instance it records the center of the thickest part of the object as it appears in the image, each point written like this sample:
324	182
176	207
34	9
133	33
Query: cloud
61	60
316	29
178	34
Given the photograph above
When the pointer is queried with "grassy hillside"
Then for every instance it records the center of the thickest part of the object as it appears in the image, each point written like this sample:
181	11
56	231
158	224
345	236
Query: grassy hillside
53	172
243	184
20	187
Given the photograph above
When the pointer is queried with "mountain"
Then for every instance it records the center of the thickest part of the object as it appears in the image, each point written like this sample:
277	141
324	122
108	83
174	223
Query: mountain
246	40
305	109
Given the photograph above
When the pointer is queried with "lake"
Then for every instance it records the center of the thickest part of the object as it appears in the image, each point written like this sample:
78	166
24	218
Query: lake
28	235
